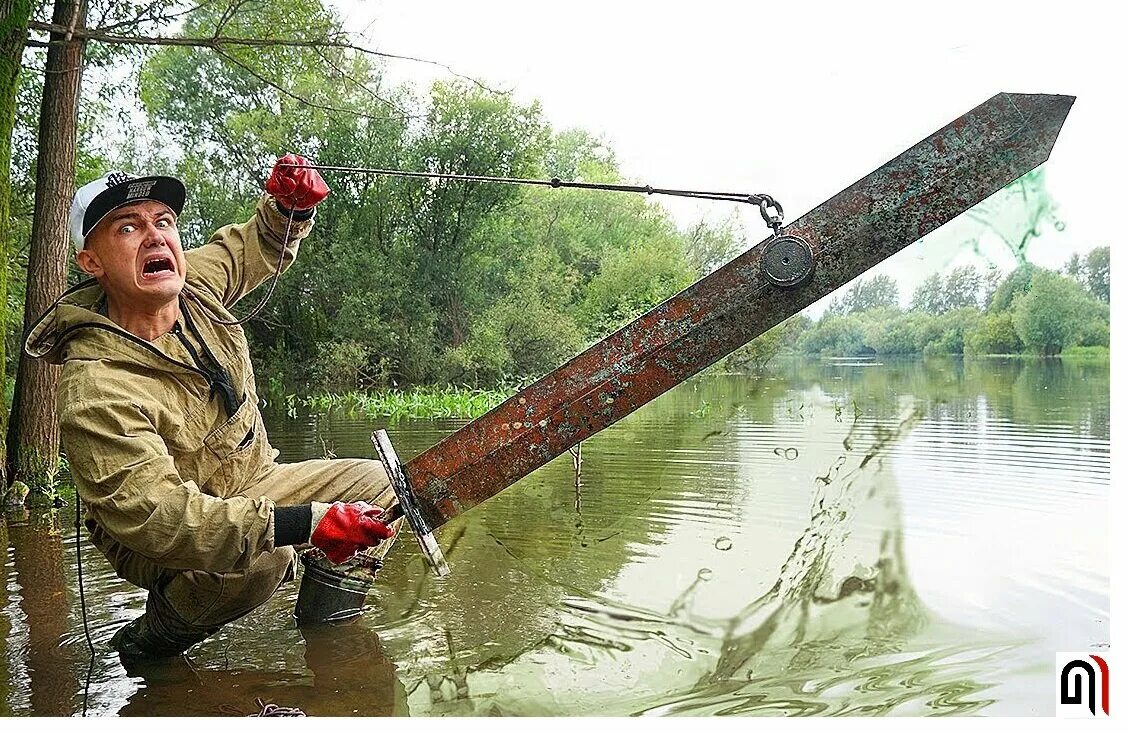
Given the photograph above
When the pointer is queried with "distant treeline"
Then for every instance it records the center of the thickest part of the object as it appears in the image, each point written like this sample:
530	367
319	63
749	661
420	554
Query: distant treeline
1031	310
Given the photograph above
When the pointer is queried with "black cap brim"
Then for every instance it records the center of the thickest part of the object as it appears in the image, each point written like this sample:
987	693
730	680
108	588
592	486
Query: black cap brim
165	189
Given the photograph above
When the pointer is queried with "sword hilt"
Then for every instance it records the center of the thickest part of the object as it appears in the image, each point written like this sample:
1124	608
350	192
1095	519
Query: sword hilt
409	505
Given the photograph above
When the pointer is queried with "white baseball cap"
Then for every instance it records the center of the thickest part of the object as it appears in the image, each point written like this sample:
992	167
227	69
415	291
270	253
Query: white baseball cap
98	198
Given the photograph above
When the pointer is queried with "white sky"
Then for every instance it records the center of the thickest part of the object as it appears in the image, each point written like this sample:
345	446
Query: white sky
796	99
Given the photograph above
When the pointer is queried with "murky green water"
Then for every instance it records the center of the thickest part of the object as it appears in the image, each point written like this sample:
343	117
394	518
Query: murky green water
908	539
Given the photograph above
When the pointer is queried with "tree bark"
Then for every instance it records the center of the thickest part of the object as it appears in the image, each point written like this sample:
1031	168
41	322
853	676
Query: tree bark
33	434
14	16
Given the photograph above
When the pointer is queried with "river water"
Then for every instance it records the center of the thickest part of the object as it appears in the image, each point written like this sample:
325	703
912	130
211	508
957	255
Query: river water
903	538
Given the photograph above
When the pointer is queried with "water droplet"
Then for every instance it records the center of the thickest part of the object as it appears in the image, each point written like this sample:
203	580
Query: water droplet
1060	225
723	543
789	453
705	574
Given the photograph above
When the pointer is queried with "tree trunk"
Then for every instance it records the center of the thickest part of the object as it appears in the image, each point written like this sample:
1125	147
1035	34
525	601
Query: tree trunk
14	15
33	435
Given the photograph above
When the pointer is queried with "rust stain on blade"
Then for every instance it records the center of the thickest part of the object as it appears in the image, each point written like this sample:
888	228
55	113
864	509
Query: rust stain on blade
890	208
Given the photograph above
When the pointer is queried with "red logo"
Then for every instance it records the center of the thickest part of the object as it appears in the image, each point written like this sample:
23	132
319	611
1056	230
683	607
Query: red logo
1083	685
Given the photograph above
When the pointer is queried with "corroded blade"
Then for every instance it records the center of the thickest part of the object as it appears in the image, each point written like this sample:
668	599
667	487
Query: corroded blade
913	194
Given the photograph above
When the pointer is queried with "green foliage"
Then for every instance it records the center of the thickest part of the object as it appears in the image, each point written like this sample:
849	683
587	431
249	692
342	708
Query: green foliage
410	281
1087	354
953	327
1092	272
962	288
711	245
866	294
1052	313
1097	273
929	296
891	332
447	402
836	335
1030	309
1014	285
995	335
756	355
630	282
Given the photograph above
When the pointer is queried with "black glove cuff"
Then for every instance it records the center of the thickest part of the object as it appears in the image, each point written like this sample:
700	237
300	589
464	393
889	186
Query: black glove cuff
292	524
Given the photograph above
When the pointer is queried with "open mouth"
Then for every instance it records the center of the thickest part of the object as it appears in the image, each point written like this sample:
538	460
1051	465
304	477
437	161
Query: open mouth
157	267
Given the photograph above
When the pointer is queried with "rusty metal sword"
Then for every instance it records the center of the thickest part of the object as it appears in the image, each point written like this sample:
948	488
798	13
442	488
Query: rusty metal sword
927	185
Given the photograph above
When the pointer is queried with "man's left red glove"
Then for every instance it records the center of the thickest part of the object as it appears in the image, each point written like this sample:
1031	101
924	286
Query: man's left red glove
296	188
343	529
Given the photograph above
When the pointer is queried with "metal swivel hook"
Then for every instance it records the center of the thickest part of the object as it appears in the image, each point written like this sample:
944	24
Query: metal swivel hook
772	220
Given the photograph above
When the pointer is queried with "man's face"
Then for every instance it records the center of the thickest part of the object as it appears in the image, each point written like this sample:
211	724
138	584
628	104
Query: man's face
135	254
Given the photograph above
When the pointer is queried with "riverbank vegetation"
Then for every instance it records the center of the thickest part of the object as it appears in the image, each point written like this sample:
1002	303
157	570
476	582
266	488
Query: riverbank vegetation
968	311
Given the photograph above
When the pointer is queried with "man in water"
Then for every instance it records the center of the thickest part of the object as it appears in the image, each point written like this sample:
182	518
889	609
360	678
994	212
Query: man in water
159	416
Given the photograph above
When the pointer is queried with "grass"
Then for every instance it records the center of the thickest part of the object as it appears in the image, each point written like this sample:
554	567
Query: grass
1086	355
424	402
1095	355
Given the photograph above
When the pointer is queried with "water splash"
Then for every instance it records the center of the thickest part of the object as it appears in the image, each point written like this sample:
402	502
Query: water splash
1017	214
831	635
813	599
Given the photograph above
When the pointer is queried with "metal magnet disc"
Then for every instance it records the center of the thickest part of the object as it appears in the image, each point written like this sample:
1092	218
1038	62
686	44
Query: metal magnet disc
787	261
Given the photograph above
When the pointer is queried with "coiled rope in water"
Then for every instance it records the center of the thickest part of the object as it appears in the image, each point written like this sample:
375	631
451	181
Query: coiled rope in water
270	709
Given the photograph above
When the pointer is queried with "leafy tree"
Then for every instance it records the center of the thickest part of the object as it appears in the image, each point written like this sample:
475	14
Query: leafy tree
33	433
929	296
1075	269
994	335
953	327
865	294
835	335
1097	273
1016	283
709	246
991	283
1051	315
962	288
630	283
756	355
891	332
1094	333
14	17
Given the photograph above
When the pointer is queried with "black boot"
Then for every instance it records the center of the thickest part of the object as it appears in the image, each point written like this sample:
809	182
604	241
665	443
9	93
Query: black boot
146	639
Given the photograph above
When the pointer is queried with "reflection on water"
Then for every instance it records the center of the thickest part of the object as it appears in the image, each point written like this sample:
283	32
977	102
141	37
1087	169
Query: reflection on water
905	538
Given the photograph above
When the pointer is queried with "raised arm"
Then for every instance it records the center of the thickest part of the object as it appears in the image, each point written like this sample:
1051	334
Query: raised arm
239	257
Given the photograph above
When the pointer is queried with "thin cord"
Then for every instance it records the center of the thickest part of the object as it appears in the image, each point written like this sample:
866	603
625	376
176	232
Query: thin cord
82	599
273	283
557	183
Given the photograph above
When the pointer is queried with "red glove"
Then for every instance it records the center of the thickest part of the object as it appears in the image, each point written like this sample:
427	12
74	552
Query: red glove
342	530
296	188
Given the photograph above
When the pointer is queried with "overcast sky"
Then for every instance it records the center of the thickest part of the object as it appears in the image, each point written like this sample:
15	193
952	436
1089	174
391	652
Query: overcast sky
797	99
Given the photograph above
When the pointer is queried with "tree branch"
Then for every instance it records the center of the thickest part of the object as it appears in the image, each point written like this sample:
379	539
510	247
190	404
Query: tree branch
283	90
361	85
143	18
217	42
